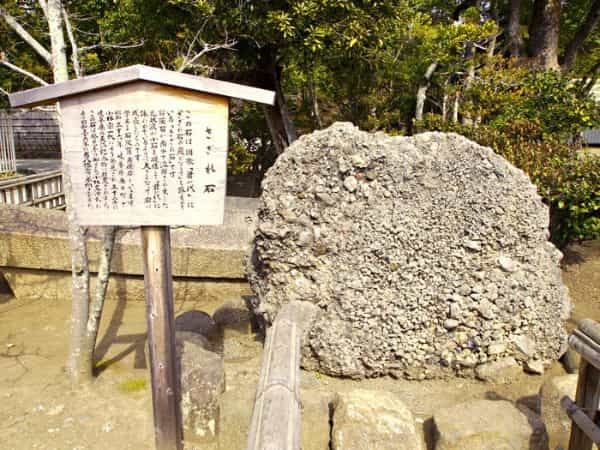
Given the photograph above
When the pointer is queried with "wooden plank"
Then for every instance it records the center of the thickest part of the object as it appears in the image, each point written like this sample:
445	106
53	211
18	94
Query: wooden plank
30	179
187	200
54	92
275	422
158	288
581	419
586	399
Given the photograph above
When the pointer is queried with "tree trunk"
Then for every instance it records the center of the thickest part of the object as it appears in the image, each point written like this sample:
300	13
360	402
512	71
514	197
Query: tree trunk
513	29
79	364
95	310
282	129
315	105
422	91
455	107
57	41
470	56
544	32
586	28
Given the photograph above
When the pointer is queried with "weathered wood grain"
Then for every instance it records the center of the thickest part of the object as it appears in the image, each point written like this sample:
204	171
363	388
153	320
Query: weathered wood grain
206	111
158	284
275	423
54	92
581	419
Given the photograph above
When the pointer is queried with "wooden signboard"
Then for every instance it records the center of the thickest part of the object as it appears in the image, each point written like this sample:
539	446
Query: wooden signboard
146	154
144	146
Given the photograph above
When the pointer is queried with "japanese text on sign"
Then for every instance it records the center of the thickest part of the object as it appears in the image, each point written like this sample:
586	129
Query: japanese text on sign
118	144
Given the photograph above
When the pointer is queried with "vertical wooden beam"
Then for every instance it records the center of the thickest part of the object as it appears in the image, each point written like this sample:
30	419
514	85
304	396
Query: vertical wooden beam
158	288
587	397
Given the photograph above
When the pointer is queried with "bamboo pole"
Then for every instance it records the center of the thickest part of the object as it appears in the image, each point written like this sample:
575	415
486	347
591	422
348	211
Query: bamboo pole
275	423
158	288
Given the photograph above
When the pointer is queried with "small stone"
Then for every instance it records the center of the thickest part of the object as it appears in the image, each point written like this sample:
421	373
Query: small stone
455	311
358	161
366	419
305	238
107	427
507	264
472	245
350	183
525	345
325	198
501	371
486	309
496	349
534	366
488	424
451	324
370	175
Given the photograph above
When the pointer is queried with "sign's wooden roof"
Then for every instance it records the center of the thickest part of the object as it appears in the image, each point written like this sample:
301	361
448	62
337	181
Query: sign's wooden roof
54	92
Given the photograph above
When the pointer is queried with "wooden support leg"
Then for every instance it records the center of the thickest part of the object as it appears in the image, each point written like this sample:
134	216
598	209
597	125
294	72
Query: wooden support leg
158	288
587	398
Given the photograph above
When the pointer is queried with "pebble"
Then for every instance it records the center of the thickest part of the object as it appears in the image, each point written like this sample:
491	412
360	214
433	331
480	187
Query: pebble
350	183
451	324
534	366
507	264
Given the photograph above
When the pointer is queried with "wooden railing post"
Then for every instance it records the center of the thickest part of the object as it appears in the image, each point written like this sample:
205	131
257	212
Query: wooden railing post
584	411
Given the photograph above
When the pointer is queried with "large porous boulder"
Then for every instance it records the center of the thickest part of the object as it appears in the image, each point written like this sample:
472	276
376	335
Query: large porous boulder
554	416
373	420
425	255
488	425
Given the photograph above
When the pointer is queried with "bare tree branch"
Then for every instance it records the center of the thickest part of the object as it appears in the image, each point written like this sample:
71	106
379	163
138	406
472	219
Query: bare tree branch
44	6
74	48
28	38
103	45
3	92
20	70
190	61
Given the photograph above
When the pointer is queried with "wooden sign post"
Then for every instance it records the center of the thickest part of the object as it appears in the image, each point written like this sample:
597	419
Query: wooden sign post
148	147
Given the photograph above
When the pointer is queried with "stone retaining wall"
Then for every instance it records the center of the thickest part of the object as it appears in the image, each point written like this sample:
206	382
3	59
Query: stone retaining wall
208	262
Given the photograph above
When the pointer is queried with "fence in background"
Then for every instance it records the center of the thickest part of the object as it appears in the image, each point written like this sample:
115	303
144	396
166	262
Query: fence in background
8	162
584	412
36	133
44	190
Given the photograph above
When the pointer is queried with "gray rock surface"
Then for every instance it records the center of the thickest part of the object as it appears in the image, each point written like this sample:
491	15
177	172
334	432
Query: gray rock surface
488	425
202	383
433	260
373	420
504	370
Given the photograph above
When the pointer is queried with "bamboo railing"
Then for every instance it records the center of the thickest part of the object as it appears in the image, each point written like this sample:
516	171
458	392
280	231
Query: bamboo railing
275	423
584	412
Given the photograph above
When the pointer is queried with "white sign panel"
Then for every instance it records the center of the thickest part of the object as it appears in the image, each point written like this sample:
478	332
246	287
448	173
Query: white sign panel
145	154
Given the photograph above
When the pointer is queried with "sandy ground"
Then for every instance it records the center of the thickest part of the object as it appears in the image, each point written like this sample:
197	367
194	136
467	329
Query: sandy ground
39	410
